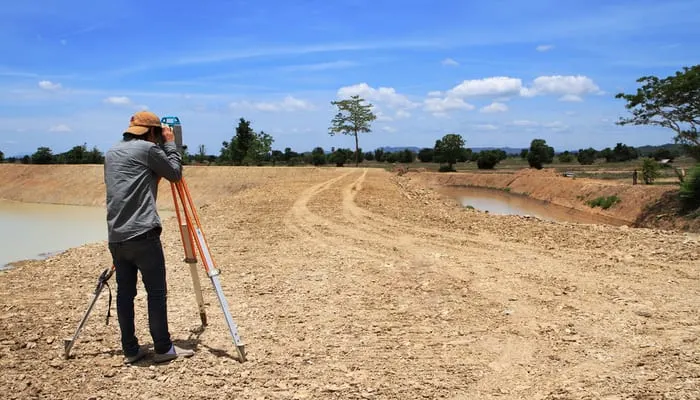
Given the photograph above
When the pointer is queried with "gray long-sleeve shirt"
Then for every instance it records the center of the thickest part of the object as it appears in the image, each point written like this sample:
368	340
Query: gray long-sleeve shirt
131	172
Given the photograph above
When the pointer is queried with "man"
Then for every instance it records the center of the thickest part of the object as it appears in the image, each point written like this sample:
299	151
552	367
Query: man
133	167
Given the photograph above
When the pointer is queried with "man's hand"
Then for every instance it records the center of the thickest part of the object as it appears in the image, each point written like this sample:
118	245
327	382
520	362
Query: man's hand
168	135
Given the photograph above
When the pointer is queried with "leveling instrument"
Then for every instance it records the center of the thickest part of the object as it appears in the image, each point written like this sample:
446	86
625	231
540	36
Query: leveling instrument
194	242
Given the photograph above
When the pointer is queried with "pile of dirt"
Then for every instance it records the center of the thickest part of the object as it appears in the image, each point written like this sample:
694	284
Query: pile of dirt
361	284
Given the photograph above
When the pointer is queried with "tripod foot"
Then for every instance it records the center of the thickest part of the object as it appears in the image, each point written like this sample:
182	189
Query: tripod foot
203	317
241	353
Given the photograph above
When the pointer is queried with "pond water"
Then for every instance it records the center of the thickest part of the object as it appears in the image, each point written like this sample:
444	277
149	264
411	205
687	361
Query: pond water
504	203
35	231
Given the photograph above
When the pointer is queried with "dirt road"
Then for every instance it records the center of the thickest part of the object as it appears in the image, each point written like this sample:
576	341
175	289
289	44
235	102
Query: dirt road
359	284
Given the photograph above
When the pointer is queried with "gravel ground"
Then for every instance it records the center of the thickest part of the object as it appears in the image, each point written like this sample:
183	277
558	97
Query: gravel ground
361	284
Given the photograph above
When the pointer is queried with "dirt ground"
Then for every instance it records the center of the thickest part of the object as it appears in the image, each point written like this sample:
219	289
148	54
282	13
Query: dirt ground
361	284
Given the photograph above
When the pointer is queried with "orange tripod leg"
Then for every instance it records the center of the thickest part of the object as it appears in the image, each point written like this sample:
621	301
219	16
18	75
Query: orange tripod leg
193	236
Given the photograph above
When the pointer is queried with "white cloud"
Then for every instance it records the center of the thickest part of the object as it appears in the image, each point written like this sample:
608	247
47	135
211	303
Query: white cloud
389	129
524	122
440	106
486	127
544	47
556	126
381	116
384	95
494	86
288	104
402	114
450	62
562	85
60	128
494	107
48	85
570	98
435	93
118	100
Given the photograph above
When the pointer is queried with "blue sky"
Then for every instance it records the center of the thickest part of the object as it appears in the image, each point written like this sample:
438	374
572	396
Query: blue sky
500	73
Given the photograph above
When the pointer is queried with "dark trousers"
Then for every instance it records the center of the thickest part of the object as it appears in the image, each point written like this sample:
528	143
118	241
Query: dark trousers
145	254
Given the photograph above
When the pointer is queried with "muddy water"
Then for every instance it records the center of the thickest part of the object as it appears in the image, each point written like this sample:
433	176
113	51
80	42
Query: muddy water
34	231
504	203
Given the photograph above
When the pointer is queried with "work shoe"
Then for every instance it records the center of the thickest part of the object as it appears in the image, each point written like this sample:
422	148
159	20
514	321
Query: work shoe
174	353
132	359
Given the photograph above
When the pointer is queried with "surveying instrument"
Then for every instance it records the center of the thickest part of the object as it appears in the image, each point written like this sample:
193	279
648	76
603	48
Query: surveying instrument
193	241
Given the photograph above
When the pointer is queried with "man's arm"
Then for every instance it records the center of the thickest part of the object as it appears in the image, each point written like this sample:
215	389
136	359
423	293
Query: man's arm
166	162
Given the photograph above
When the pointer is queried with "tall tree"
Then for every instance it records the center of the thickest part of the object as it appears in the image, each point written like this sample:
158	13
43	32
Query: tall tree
539	153
353	118
672	102
2	156
449	149
43	155
586	156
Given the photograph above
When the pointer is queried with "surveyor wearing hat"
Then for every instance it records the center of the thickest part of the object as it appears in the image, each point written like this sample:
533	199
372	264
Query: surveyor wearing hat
133	167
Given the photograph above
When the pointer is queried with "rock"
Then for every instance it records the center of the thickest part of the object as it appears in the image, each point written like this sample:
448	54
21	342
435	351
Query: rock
643	313
56	363
109	373
49	340
30	345
301	395
335	388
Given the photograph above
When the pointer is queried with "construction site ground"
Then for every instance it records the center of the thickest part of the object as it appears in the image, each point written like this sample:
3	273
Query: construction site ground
362	284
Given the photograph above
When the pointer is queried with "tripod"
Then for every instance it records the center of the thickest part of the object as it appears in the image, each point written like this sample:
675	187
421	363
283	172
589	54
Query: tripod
194	242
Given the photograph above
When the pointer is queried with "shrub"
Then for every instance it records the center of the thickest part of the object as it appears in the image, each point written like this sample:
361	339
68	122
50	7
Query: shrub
604	202
690	189
650	170
488	159
446	168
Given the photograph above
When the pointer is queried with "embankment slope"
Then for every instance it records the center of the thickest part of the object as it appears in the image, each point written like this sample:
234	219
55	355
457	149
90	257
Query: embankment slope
547	185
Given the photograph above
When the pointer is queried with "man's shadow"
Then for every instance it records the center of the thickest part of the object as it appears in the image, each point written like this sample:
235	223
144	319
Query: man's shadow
193	342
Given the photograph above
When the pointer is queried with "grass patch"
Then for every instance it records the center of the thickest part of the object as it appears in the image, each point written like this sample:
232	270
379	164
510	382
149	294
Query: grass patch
604	202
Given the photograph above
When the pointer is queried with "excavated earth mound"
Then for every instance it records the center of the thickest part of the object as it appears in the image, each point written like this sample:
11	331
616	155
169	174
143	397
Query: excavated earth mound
361	284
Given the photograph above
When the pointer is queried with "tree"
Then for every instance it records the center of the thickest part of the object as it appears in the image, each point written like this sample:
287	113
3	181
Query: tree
465	156
539	153
690	190
318	156
488	159
620	153
341	156
672	102
94	156
663	154
587	156
259	149
448	149
379	155
201	154
43	155
566	157
406	156
2	156
369	156
426	155
650	170
353	118
523	154
246	146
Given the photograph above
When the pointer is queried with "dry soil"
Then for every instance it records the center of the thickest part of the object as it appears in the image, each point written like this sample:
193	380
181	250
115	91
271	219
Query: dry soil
361	284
